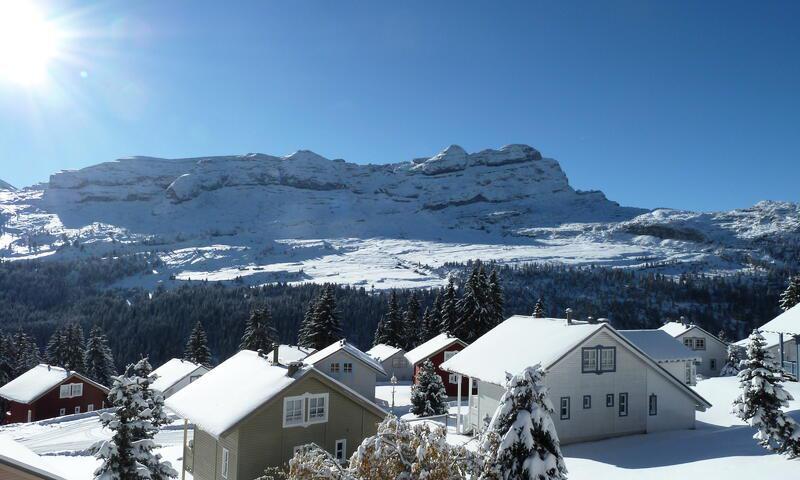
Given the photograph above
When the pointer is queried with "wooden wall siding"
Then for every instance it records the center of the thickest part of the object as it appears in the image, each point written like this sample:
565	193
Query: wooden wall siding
403	374
7	472
438	359
714	350
49	404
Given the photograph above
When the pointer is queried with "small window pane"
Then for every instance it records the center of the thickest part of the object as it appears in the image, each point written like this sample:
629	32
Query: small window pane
77	389
610	400
294	411
590	360
348	368
653	404
587	401
564	408
608	360
64	391
316	408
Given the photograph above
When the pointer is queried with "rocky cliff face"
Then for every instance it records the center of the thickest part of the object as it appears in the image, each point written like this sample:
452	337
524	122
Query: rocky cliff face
219	217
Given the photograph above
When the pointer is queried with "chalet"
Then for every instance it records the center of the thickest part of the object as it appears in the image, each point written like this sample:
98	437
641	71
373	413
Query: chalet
174	375
47	392
671	354
786	347
438	350
292	353
250	413
393	360
601	384
712	351
17	462
349	365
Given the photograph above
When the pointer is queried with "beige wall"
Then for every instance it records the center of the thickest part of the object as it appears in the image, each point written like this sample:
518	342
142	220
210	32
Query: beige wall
403	373
715	352
363	378
7	472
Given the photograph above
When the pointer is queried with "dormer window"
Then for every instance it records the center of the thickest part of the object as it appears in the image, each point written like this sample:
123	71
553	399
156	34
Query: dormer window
598	359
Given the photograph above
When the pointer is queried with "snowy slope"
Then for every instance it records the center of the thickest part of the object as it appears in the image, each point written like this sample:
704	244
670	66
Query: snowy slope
6	186
303	217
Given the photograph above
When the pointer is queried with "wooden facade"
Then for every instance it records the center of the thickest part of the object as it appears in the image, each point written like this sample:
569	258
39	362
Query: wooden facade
450	381
51	404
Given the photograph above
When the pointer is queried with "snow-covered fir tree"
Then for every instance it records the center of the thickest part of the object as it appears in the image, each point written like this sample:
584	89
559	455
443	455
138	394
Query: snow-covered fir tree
129	455
391	330
74	348
735	356
7	354
305	325
448	314
197	350
412	323
538	309
475	312
791	296
762	399
521	441
98	359
430	325
259	331
496	301
323	328
428	395
56	350
26	353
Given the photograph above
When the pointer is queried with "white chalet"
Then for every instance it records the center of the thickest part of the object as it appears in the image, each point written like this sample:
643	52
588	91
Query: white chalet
667	351
786	347
601	384
349	365
394	361
712	350
174	375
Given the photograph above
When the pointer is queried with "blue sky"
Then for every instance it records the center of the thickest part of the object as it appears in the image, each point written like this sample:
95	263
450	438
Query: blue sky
691	104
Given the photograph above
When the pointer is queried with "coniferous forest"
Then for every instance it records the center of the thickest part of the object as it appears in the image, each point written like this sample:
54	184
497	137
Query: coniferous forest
40	297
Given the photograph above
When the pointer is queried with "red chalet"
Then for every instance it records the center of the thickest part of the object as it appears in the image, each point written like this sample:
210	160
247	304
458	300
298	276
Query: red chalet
438	349
47	392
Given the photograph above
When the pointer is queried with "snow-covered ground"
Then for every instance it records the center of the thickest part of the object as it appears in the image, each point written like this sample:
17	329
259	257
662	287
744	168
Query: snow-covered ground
721	448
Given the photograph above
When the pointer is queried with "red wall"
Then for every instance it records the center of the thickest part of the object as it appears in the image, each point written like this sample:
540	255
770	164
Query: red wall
49	404
437	360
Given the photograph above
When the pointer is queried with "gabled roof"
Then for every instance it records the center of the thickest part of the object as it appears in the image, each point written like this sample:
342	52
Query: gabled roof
381	351
676	329
23	459
292	353
772	339
238	387
33	384
659	344
521	341
787	322
342	345
432	347
173	372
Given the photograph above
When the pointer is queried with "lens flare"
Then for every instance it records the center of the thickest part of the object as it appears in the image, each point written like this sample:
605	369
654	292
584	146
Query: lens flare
28	42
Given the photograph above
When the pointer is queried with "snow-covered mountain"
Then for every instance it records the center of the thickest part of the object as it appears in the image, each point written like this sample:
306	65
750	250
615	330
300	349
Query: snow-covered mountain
306	218
6	186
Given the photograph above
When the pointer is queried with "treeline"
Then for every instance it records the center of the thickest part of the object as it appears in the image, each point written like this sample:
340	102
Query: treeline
40	296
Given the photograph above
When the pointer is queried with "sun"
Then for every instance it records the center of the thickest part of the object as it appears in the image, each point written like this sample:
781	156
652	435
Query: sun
28	42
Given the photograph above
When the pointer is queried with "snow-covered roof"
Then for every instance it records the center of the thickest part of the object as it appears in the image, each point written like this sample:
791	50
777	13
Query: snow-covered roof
36	382
353	351
518	343
381	351
676	328
659	344
172	372
292	353
432	347
772	339
20	457
223	397
787	322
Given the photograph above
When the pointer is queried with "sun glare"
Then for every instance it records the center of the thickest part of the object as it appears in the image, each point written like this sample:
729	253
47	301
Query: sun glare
28	42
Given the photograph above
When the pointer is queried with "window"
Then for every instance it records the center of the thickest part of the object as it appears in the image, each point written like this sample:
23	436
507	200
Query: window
453	379
334	368
317	410
609	400
225	457
598	359
90	407
62	411
688	343
347	368
297	449
192	378
623	404
564	408
70	390
398	363
77	389
587	402
293	411
699	343
340	452
688	373
77	409
713	364
653	403
64	391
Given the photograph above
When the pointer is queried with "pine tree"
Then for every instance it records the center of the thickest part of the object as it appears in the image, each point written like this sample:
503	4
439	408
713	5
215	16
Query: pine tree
762	398
197	350
448	314
390	329
324	328
538	309
74	349
496	301
27	353
412	323
306	325
259	332
428	395
731	367
6	357
129	454
521	441
99	360
430	327
475	316
791	296
56	350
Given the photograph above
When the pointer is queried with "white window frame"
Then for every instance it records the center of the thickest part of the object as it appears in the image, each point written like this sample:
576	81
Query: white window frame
78	409
90	407
77	390
226	455
343	444
449	354
305	409
325	405
62	412
688	342
65	391
699	343
302	421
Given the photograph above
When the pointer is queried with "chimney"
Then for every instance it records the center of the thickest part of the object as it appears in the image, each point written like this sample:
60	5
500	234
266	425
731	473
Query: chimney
591	319
569	316
293	368
275	347
683	320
